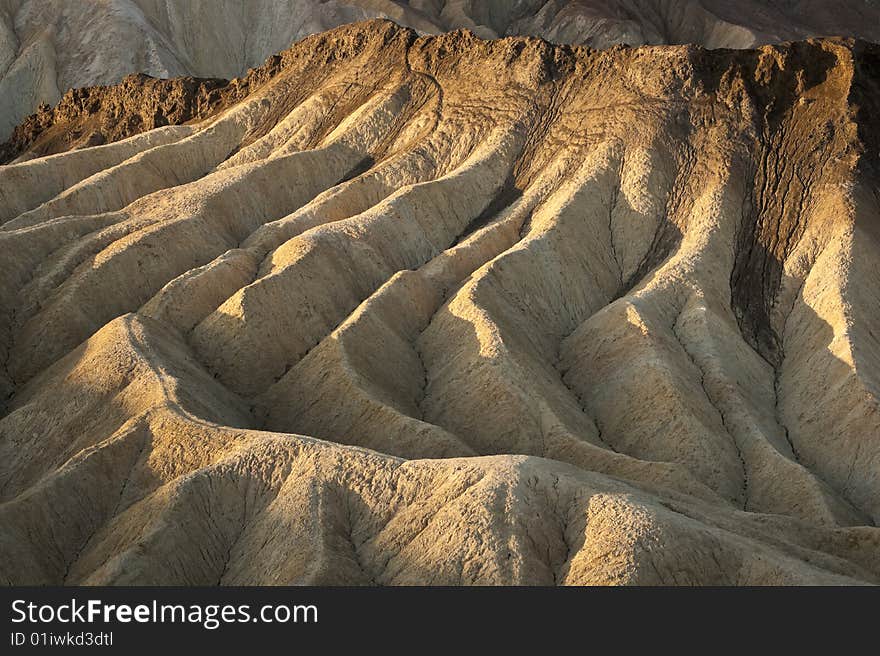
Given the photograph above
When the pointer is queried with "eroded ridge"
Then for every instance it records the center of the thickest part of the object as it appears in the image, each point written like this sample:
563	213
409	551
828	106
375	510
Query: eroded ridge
443	310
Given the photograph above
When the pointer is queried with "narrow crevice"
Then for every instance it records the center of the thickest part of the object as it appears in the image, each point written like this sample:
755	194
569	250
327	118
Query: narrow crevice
612	206
777	375
721	415
145	439
355	548
245	520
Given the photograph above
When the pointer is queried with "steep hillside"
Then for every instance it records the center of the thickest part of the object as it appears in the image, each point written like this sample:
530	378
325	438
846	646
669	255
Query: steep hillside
433	309
50	46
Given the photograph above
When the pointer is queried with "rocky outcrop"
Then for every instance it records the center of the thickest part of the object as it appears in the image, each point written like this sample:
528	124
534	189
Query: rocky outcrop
93	116
433	309
96	115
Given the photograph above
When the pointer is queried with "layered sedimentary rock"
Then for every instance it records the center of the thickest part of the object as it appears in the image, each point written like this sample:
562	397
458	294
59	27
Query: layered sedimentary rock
433	309
50	46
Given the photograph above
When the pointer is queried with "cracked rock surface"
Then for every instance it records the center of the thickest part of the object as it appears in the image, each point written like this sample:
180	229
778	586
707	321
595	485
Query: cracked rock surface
403	309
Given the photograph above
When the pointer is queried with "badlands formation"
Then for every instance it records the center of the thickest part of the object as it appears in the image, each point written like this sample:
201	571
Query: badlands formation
50	46
403	309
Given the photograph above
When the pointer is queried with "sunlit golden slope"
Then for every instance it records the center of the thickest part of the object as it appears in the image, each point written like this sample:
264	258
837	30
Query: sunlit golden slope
443	310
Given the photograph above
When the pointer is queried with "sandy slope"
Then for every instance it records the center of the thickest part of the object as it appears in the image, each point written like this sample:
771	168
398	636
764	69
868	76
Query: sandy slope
443	310
50	46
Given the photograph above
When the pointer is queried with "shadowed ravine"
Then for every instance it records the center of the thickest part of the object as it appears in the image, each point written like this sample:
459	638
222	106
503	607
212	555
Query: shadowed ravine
401	309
